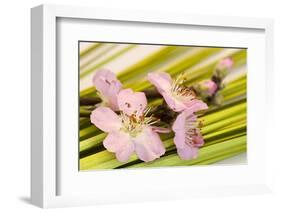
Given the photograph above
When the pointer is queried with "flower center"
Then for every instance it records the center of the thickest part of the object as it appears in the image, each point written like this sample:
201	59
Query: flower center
181	91
192	129
134	124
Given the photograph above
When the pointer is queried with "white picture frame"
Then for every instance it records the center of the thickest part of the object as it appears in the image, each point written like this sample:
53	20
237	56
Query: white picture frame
45	153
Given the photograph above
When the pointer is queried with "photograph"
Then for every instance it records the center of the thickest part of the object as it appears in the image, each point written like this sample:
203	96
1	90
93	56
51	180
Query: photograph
161	105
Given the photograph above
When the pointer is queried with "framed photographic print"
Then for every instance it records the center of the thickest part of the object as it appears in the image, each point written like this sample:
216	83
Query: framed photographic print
130	106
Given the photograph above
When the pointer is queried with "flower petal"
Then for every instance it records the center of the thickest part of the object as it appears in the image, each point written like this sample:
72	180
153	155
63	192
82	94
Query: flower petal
105	119
102	80
160	129
188	152
195	105
161	80
108	86
175	104
120	143
111	95
125	154
131	102
179	127
148	145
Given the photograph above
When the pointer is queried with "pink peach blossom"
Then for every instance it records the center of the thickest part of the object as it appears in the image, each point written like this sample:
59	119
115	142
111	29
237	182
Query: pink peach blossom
187	138
108	86
177	96
131	131
132	103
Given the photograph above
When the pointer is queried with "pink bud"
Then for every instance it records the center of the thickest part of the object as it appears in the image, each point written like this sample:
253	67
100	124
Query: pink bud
223	67
211	87
206	88
225	63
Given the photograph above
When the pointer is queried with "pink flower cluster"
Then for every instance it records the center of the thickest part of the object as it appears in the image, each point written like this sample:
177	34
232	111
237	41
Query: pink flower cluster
183	100
130	131
124	115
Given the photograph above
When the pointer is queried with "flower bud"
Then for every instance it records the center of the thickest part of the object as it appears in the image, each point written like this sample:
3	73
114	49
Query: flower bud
223	67
206	88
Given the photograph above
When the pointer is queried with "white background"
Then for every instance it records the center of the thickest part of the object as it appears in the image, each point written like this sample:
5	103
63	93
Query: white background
15	98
